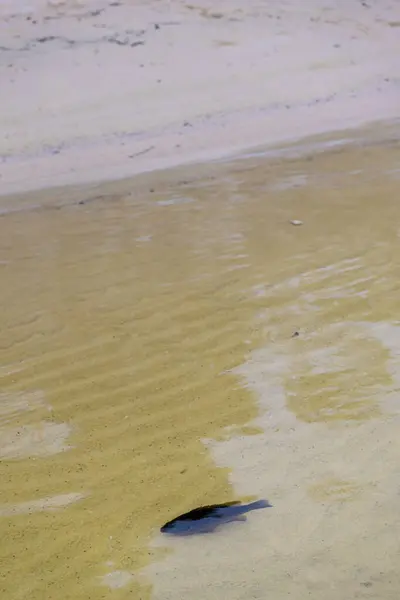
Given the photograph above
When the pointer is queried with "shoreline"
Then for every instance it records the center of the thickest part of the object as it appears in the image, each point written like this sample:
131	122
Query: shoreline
88	99
384	134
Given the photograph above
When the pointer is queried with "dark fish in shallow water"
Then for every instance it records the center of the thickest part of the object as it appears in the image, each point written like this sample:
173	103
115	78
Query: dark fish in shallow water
207	518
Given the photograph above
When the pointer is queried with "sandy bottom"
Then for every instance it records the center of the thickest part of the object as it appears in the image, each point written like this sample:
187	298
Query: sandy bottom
150	363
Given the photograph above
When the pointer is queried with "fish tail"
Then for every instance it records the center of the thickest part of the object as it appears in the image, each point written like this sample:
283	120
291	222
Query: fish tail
259	504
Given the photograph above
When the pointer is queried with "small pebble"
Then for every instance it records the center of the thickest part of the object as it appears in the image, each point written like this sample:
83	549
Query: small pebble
296	222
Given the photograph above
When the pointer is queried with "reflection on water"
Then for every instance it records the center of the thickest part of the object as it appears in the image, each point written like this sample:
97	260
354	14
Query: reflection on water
41	439
165	349
44	504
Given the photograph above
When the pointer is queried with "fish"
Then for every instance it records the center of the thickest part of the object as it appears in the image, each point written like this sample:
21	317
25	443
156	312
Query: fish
206	519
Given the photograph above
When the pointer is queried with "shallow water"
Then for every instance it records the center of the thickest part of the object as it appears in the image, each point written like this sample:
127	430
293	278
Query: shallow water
164	349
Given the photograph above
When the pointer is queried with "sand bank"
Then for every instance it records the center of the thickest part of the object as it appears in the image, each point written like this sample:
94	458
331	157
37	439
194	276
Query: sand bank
102	90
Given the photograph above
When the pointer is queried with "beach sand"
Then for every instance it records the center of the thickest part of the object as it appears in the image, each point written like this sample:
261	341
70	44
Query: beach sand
100	90
170	339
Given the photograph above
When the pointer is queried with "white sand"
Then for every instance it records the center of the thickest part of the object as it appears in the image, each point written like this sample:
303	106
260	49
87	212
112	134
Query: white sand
44	504
114	90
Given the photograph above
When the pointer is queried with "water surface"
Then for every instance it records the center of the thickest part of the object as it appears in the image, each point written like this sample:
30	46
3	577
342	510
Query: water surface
170	343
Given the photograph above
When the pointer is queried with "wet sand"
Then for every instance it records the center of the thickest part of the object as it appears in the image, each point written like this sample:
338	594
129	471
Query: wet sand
148	366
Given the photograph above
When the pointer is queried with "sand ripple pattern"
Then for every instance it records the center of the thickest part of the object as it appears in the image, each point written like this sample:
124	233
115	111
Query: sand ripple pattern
148	364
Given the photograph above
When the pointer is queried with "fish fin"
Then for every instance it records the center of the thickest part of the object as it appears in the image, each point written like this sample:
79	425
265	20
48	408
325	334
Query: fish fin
259	504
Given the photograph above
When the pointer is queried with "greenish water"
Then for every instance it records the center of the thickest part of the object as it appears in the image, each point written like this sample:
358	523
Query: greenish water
175	341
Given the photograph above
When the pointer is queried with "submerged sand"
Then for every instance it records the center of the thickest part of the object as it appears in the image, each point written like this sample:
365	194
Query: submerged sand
174	340
152	322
